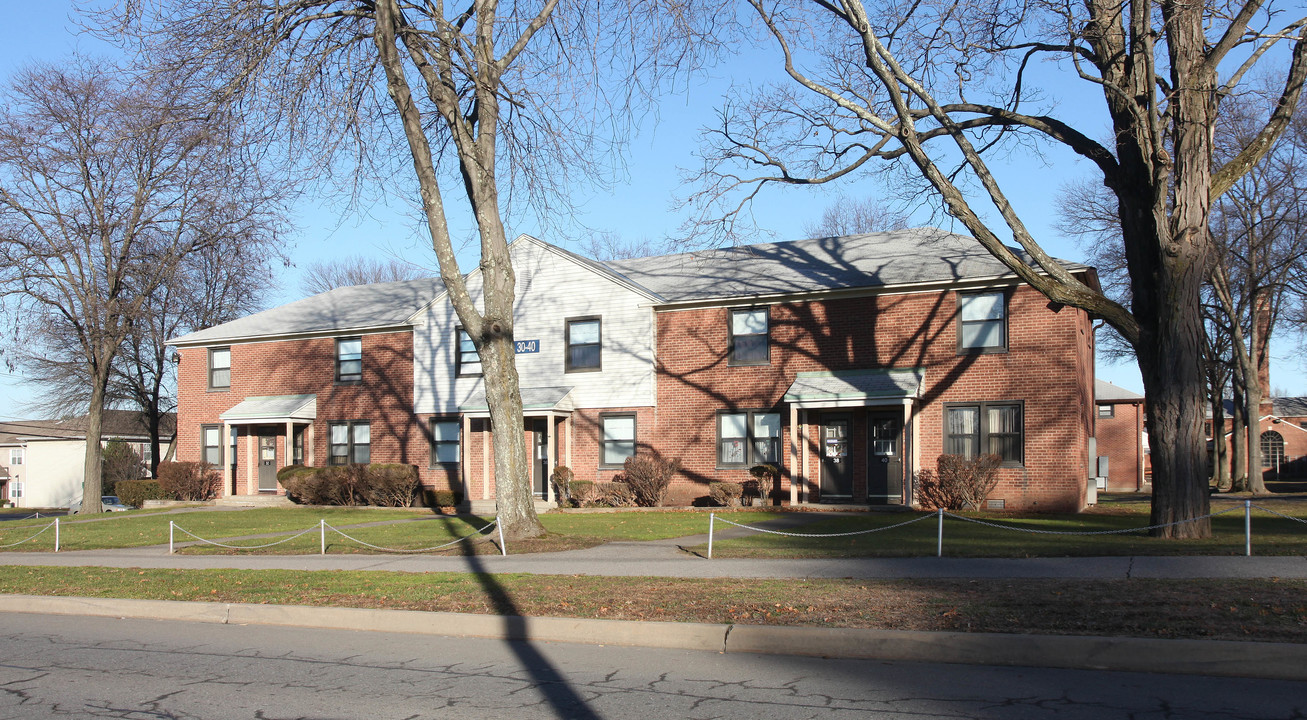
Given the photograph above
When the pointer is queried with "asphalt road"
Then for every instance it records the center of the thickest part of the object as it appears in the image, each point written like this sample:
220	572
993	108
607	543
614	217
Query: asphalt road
62	666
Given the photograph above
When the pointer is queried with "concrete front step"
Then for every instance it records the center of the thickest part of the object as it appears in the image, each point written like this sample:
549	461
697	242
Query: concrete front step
263	500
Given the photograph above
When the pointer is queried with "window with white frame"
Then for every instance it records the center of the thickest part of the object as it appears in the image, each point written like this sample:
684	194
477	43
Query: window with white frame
351	442
349	359
750	344
445	434
15	490
748	438
15	456
466	360
982	322
616	439
219	368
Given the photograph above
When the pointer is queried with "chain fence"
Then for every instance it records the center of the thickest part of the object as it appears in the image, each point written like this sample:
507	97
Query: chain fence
39	533
322	527
940	514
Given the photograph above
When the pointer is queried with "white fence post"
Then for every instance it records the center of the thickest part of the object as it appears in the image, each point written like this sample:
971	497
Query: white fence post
939	543
1248	528
322	535
56	534
170	527
503	549
712	518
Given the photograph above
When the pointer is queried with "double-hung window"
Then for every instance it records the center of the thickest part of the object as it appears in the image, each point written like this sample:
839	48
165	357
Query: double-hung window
351	442
749	337
219	368
985	428
616	439
15	490
584	338
466	360
444	441
748	438
982	322
15	456
1106	411
211	445
349	359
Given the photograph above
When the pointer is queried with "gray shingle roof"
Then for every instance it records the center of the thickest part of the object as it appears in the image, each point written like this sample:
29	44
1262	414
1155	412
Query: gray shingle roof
855	385
1106	392
348	308
302	407
533	398
1290	406
113	424
901	257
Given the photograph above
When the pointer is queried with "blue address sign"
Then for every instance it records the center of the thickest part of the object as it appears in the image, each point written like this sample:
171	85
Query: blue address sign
521	347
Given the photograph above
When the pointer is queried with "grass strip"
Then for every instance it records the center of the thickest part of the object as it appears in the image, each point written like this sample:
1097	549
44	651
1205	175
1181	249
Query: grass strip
1263	609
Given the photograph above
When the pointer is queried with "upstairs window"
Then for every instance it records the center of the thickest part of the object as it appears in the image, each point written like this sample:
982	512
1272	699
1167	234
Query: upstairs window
351	442
444	442
219	368
1106	411
466	360
982	322
748	438
349	359
15	456
583	344
749	337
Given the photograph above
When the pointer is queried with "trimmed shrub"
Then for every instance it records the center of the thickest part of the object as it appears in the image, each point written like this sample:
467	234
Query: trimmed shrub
957	483
614	494
391	484
444	498
189	480
649	475
581	492
561	478
726	494
768	479
118	462
134	493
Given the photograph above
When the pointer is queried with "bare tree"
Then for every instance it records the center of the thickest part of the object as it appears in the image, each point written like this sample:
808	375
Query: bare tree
937	84
854	217
107	183
606	246
491	106
320	277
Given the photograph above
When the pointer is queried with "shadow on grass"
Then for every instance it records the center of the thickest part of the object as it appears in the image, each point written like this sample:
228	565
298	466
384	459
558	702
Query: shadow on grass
553	685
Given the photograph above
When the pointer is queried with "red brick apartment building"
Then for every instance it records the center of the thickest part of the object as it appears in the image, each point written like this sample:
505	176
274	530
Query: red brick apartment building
1122	442
848	362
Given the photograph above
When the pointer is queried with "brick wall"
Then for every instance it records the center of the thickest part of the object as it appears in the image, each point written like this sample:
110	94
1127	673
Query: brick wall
1118	439
1048	367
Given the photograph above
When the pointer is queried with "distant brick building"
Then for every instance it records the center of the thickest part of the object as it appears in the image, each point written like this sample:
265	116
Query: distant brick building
850	363
1119	428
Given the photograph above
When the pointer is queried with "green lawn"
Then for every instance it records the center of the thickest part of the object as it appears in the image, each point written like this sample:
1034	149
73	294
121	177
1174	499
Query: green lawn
1271	535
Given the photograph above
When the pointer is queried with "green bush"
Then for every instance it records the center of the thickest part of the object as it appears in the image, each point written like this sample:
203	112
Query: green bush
445	498
134	493
189	480
387	485
118	462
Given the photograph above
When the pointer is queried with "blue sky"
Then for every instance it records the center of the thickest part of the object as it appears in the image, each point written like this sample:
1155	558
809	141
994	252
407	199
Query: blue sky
637	208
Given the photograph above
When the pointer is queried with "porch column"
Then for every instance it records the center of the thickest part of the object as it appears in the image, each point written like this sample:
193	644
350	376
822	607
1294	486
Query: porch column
462	456
289	458
806	493
308	446
251	462
551	441
910	459
794	454
228	482
485	462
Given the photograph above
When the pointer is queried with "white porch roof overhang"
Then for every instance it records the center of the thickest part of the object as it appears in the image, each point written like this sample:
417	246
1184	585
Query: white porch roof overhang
536	402
270	409
855	388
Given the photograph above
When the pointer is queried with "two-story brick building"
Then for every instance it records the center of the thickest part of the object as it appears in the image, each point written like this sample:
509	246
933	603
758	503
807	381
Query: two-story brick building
848	362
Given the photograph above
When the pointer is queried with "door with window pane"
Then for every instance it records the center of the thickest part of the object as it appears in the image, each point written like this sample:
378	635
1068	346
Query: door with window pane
885	468
268	462
836	460
540	449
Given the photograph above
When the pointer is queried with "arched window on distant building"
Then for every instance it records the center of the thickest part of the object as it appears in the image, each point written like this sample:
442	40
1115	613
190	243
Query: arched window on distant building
1272	449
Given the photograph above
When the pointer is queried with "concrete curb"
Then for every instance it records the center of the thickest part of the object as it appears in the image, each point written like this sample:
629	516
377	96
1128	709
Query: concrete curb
1277	661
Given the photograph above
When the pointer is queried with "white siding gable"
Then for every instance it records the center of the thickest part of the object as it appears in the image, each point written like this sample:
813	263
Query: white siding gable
550	288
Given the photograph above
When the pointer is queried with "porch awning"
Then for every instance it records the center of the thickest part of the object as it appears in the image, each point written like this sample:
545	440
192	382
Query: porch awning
535	401
855	388
272	409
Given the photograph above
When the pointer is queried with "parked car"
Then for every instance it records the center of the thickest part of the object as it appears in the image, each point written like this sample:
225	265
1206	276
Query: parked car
110	503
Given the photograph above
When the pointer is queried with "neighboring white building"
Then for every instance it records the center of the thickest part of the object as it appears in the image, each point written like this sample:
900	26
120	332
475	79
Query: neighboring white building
45	459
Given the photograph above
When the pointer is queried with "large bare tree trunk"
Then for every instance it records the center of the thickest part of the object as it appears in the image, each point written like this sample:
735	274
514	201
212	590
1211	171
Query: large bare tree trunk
1238	440
1220	453
93	482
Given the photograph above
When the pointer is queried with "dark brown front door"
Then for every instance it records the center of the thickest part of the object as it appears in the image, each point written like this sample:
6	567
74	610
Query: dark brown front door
836	460
267	463
885	466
